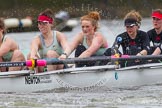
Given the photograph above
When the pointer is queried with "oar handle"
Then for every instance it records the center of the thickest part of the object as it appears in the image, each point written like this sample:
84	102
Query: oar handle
41	63
28	63
35	63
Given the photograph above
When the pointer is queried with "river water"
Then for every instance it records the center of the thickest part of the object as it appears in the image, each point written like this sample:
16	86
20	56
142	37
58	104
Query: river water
138	97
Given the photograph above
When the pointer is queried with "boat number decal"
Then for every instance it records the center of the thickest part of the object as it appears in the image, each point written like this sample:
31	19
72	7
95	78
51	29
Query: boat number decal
116	75
37	79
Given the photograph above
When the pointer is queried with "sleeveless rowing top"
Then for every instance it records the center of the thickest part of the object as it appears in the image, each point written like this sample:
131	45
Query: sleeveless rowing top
8	56
55	46
99	52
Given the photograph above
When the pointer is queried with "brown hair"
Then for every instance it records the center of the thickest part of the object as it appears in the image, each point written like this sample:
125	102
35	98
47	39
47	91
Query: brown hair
94	17
48	12
134	15
2	25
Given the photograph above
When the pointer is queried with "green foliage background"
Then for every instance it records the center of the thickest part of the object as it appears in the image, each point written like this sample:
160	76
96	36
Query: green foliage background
108	9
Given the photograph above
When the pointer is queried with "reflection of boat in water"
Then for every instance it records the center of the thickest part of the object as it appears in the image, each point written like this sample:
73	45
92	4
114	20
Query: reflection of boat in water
63	23
82	78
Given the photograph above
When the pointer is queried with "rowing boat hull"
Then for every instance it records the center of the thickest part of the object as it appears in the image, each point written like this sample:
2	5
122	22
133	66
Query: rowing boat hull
81	79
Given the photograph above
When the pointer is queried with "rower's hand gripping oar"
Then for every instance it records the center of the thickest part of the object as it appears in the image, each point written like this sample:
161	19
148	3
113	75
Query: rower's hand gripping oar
33	63
115	51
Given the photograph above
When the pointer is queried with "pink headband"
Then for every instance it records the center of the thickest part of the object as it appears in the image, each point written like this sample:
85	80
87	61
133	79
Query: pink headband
44	18
157	15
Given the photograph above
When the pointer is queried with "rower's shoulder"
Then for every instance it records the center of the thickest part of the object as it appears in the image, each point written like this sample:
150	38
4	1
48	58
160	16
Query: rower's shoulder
36	38
151	31
141	32
7	39
122	34
98	34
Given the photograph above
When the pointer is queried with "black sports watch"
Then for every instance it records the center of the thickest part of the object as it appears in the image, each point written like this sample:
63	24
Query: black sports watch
65	54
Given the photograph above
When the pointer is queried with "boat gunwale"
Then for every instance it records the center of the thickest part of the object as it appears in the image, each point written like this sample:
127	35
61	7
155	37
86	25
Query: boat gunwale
79	70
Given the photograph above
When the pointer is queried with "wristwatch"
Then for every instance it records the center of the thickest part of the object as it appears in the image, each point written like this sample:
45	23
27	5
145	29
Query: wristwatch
65	54
140	53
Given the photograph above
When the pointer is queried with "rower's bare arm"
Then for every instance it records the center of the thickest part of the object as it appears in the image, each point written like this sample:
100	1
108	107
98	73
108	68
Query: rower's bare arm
96	44
157	51
76	41
64	43
7	45
34	47
143	52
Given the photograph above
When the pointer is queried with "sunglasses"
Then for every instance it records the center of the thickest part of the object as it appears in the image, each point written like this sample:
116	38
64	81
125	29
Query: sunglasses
155	19
42	23
130	26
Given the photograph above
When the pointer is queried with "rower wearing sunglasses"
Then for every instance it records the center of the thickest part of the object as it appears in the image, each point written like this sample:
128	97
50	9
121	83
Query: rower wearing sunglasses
133	41
49	44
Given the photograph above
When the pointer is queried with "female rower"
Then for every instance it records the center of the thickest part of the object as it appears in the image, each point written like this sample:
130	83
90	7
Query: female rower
49	44
155	34
133	41
9	50
89	42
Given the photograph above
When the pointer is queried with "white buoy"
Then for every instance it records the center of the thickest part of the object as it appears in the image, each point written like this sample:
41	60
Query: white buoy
15	22
26	22
11	22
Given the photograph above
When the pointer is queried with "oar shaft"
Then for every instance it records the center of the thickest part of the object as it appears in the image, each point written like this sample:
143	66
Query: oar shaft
55	61
76	60
146	57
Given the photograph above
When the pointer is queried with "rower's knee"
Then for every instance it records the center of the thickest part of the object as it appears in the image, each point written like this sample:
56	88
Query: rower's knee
108	52
18	55
79	50
52	54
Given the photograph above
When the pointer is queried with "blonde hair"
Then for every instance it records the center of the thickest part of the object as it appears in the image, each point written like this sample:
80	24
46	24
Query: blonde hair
94	17
157	10
134	15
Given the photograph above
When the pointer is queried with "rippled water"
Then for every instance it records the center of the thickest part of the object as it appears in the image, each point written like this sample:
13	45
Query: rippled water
139	97
136	97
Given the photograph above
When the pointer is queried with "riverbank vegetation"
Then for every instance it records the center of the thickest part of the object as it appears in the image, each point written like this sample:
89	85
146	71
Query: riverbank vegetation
108	9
